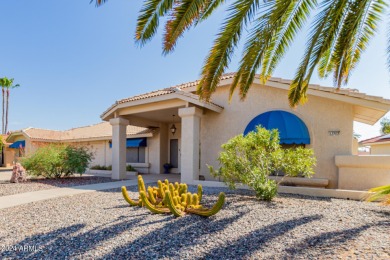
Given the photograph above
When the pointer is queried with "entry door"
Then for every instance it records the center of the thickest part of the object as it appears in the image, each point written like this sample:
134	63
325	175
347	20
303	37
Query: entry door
174	153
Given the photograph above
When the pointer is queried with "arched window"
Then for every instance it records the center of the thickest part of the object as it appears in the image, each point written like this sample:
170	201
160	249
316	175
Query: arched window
292	130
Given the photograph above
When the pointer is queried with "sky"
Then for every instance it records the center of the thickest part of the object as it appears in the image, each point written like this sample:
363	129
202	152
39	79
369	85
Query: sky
74	60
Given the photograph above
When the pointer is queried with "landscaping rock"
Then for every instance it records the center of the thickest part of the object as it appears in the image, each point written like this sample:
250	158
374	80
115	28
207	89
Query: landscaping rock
101	225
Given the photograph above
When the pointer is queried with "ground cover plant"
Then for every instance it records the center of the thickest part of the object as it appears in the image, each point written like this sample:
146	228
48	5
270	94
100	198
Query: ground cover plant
172	198
56	161
252	158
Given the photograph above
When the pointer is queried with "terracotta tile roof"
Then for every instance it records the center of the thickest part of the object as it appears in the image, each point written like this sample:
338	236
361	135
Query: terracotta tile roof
377	139
343	91
100	130
165	91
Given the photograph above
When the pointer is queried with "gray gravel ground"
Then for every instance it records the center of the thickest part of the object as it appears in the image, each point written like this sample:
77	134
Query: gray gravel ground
101	225
7	188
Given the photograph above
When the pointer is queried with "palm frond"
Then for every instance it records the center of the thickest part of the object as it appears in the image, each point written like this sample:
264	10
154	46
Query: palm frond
209	7
148	19
184	14
381	193
293	20
240	13
324	29
98	2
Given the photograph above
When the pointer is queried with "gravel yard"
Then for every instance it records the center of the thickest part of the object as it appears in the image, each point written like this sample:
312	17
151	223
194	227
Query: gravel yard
100	225
7	188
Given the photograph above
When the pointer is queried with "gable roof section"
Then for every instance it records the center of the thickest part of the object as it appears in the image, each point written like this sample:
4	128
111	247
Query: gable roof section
368	109
100	131
376	140
174	89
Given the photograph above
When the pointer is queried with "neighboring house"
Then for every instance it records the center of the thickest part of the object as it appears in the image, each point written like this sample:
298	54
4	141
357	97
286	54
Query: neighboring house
378	145
324	123
95	137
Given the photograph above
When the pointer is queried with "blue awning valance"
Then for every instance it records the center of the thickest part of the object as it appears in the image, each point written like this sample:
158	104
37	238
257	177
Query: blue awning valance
134	142
292	130
18	144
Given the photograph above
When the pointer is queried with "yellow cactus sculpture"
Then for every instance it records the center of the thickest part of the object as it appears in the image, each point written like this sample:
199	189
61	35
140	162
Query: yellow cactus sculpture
172	198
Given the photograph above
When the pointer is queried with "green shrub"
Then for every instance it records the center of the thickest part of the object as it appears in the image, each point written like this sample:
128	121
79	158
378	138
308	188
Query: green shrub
55	161
102	167
252	158
130	168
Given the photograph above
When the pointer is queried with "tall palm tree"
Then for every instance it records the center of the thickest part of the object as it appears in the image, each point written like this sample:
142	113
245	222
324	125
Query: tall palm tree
3	82
6	85
339	34
11	86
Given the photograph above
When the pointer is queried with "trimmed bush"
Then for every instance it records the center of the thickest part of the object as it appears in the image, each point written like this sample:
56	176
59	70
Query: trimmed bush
251	159
100	167
56	161
130	168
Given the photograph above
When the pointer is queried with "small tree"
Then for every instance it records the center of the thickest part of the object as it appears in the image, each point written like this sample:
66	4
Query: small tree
385	126
252	158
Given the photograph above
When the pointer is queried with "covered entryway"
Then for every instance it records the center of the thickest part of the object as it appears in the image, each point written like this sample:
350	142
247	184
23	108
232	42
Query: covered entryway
159	111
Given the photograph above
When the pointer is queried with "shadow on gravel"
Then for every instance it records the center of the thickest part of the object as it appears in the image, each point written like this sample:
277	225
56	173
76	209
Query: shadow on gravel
327	240
62	243
382	213
169	240
259	239
304	197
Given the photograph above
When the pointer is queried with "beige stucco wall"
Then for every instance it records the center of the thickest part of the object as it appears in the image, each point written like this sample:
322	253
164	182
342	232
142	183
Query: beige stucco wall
319	114
363	172
380	149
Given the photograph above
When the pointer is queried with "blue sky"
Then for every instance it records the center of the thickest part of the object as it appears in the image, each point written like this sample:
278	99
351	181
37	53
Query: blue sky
74	60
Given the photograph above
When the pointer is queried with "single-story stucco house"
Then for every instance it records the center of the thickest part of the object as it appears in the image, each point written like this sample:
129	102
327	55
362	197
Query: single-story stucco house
378	145
189	132
96	137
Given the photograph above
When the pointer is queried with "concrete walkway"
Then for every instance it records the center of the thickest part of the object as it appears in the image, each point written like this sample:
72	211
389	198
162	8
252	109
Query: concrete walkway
28	197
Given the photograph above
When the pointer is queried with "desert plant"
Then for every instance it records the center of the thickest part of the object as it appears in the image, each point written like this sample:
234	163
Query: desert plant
76	160
55	161
250	159
172	198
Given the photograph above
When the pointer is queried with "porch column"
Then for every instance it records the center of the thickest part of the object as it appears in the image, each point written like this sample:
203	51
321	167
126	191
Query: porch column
118	148
190	140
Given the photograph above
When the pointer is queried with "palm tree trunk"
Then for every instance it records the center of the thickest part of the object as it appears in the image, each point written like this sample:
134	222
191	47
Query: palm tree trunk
6	112
2	121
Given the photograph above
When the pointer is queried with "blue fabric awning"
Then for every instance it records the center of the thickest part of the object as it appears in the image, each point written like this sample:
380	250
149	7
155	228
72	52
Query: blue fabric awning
292	130
134	142
17	144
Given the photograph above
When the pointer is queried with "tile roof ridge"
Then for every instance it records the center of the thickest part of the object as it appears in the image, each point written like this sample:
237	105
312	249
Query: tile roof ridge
370	139
85	126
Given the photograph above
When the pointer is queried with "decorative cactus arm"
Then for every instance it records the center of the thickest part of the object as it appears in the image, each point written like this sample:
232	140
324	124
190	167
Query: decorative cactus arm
128	199
169	202
200	192
152	198
210	212
141	184
151	207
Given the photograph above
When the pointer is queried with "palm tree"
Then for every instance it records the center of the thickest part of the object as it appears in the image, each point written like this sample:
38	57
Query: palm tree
6	85
385	126
3	82
339	34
